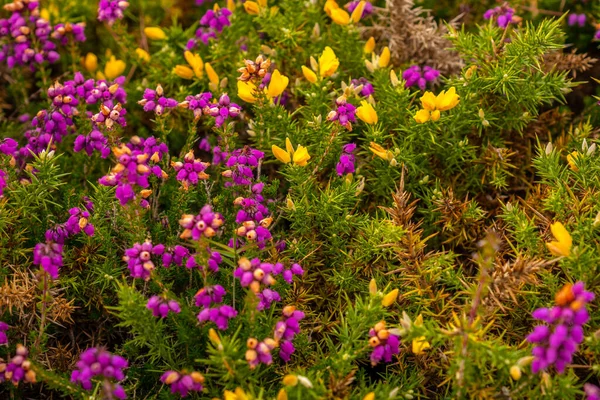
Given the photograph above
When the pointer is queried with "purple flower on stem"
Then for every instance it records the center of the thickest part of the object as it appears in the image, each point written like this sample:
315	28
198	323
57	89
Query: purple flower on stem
368	10
222	110
153	100
258	276
367	88
3	183
345	113
190	171
576	19
111	10
160	306
557	340
241	165
219	315
139	259
259	352
94	141
183	383
346	163
99	363
204	224
286	329
63	32
209	295
49	256
9	146
177	255
212	23
18	368
384	343
198	104
3	329
504	15
592	392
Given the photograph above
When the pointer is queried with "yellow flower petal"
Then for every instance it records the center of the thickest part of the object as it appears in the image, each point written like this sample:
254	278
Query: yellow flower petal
369	396
379	151
288	145
340	16
212	75
447	100
384	58
367	113
422	116
246	90
562	245
328	62
195	61
282	395
183	71
90	62
435	115
142	54
290	380
114	68
251	7
155	33
309	74
277	85
358	11
428	101
571	160
281	154
372	286
370	45
389	298
301	156
231	5
329	6
419	345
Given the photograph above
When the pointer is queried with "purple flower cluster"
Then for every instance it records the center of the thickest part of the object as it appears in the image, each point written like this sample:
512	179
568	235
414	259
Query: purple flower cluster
592	392
25	36
557	341
109	116
9	146
384	343
190	171
49	256
198	104
345	113
504	15
259	352
111	10
204	224
420	77
97	362
18	368
254	216
367	87
139	259
94	141
3	329
63	32
134	168
577	19
3	183
211	23
259	276
368	10
176	255
597	35
346	163
183	383
241	164
286	329
160	306
153	100
220	315
222	110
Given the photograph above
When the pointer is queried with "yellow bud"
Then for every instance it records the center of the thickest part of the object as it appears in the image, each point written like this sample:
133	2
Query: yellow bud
142	54
372	286
183	72
252	7
515	372
155	33
394	78
231	5
370	45
214	337
290	380
358	11
369	396
90	62
384	58
309	74
282	395
212	75
389	298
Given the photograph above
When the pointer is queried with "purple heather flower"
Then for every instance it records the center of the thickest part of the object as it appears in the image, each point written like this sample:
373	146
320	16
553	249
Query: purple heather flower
49	256
18	368
258	276
94	141
111	10
183	383
219	315
209	295
204	224
286	329
368	10
222	110
576	19
110	115
63	32
288	274
367	88
504	15
204	145
420	77
241	164
139	259
557	341
345	113
177	255
198	104
259	352
597	35
160	306
190	171
592	392
97	362
212	23
78	221
3	329
153	100
9	146
346	163
384	343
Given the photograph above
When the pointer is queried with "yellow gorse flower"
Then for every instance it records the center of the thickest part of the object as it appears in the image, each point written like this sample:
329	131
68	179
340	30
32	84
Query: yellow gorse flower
247	90
389	298
370	45
384	57
328	63
369	396
253	7
90	62
298	156
571	160
212	75
183	71
142	54
114	68
282	395
367	113
433	105
381	152
309	74
420	344
290	380
341	16
195	62
239	394
560	247
155	33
